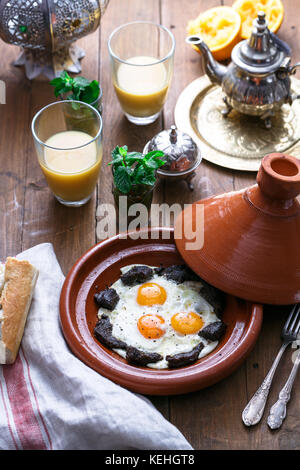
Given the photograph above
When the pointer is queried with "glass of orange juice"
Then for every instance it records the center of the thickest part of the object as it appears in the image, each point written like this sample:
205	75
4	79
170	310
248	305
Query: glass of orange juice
141	55
68	140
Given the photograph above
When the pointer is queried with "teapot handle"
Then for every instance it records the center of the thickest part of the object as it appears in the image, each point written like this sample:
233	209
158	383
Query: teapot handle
282	45
286	68
293	68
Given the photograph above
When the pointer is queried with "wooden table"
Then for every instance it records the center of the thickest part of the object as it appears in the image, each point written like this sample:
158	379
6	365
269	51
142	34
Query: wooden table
211	418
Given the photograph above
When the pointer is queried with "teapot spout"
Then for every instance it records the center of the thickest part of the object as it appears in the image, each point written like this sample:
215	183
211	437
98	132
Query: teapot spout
214	70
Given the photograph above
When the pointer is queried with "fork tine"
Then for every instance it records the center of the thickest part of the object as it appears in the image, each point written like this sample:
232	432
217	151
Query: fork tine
297	329
287	323
295	317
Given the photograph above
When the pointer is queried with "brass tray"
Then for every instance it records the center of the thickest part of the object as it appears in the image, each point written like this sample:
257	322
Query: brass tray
238	142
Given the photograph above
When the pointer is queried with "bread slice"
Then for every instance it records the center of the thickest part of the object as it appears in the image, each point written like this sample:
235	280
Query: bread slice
16	295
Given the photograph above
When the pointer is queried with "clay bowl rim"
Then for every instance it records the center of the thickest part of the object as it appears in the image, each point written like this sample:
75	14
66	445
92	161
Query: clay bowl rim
141	379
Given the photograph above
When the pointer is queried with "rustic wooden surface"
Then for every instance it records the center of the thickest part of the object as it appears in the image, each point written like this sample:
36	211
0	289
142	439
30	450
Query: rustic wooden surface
210	419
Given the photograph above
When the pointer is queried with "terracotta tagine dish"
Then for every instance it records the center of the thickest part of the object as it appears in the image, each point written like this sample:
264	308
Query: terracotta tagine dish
99	267
251	243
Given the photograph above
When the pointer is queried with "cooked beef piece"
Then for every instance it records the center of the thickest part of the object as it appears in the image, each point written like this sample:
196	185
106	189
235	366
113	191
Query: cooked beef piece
215	297
103	333
141	358
179	273
183	359
159	270
107	298
137	275
214	331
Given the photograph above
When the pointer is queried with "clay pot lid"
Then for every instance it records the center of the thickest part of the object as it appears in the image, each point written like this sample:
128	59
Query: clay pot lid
251	238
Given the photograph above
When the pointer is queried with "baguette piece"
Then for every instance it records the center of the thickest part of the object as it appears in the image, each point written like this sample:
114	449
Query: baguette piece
16	294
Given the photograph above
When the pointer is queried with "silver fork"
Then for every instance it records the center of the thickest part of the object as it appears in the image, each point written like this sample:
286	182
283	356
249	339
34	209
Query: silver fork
278	410
254	410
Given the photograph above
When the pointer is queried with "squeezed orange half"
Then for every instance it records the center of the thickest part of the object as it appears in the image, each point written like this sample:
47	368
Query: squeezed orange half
219	28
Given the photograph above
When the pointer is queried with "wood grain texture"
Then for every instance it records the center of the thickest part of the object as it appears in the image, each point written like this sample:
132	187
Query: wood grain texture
211	418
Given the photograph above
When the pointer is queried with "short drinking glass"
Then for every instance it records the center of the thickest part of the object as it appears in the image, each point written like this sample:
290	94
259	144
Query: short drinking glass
68	141
141	55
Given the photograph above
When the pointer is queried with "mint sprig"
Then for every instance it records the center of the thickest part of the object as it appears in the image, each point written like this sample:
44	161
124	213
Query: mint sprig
79	88
134	168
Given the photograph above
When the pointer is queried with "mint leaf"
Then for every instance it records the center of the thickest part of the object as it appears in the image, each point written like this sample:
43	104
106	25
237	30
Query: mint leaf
56	81
117	157
81	88
133	157
65	76
148	179
90	92
123	150
81	82
117	160
152	160
116	152
122	179
138	174
154	154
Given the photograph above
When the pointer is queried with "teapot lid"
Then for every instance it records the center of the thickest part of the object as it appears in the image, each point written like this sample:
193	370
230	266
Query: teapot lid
263	52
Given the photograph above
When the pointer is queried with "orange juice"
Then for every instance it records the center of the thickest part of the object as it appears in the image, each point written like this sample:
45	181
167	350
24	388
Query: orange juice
142	91
71	172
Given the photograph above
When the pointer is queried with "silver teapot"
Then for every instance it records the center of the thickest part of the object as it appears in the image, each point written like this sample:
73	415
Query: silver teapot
257	81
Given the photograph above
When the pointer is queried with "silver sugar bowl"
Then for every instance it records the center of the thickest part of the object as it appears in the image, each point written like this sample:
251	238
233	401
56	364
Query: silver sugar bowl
182	155
257	81
46	31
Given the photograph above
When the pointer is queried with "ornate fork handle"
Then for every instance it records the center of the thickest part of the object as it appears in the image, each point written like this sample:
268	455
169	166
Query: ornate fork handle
254	410
278	410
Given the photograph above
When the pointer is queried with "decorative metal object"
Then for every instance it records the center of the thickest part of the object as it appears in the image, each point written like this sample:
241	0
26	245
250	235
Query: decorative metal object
240	141
182	155
46	31
257	82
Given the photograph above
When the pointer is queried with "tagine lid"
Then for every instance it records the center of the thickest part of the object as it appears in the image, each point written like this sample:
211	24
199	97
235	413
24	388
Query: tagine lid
263	52
180	150
246	243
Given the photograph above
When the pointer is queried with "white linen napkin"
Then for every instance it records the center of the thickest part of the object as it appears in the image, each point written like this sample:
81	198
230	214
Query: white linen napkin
49	399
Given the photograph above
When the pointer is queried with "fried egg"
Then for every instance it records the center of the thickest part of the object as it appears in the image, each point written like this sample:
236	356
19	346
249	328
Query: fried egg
160	316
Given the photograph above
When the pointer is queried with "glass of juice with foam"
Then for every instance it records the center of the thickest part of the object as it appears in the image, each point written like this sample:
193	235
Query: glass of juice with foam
141	56
68	140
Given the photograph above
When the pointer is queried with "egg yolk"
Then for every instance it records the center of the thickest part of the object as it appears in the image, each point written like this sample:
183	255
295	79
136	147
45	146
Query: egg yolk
151	294
187	323
150	326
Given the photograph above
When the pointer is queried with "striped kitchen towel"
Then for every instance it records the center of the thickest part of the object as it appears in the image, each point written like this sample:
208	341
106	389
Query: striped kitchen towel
49	399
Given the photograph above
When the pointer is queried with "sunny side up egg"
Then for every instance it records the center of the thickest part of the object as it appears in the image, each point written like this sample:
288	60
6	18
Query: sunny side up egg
160	316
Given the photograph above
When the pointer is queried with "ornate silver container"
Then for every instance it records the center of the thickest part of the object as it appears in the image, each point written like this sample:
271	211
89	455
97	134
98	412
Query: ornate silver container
182	155
46	31
257	82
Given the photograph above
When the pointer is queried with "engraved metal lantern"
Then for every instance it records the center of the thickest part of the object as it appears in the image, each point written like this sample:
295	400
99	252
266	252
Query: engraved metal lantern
46	31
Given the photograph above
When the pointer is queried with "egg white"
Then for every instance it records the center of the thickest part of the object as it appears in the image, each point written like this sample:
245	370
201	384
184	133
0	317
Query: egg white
183	297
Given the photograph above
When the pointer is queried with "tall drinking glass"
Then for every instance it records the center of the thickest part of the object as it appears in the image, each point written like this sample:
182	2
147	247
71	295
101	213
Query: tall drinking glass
141	55
68	140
